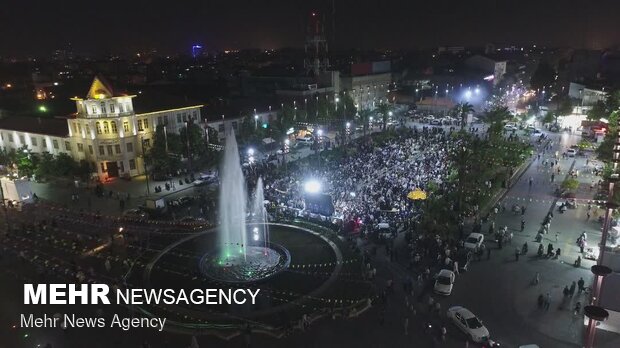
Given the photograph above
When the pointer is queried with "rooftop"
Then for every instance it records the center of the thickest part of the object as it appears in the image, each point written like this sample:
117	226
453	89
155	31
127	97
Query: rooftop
38	125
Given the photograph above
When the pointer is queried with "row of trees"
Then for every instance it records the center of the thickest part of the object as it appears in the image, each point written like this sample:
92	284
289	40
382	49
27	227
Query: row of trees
165	153
43	165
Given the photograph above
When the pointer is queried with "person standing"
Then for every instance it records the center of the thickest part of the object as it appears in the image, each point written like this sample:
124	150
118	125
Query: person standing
488	253
580	284
517	254
406	324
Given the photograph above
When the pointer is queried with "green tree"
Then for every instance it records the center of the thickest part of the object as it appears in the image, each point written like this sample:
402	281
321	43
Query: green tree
550	117
363	117
384	110
64	165
461	110
495	118
598	111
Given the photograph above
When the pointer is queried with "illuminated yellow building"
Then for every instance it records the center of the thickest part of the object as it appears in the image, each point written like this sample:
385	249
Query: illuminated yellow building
105	131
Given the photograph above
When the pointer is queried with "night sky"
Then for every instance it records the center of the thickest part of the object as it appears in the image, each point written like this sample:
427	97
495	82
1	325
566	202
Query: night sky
120	27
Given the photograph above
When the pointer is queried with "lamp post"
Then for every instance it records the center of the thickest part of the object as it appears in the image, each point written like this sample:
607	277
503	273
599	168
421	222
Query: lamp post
255	121
146	171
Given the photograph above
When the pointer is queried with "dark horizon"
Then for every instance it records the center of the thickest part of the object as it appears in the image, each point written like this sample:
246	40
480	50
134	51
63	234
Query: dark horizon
125	28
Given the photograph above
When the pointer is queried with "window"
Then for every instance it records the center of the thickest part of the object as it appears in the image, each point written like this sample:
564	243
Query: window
94	110
101	150
165	119
160	120
146	143
194	115
127	108
132	164
55	143
140	128
178	118
75	130
110	150
120	108
117	148
234	125
98	126
33	140
103	107
145	122
10	137
102	167
44	143
106	127
122	165
126	126
80	147
87	129
220	128
90	149
79	128
113	125
129	147
67	146
111	108
185	117
2	136
22	140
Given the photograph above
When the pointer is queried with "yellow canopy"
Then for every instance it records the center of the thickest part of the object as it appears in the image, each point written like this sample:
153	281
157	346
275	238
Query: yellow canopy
416	195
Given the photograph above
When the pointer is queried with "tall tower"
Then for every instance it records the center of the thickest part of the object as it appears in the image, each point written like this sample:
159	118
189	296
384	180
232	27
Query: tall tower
316	60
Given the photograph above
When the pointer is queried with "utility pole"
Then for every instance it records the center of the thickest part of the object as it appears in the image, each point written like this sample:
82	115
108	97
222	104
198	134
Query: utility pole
146	171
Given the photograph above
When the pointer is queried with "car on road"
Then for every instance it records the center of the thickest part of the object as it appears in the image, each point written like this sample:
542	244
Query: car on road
199	182
304	140
135	214
463	257
435	122
467	322
510	127
444	282
474	241
571	152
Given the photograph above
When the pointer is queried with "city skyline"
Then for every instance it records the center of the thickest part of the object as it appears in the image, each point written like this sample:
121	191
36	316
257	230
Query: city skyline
140	25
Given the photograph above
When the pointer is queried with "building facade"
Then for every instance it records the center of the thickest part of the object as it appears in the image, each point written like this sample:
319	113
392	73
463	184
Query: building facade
105	131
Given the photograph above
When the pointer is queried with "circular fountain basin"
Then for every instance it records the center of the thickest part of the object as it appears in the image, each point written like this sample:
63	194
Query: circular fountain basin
233	266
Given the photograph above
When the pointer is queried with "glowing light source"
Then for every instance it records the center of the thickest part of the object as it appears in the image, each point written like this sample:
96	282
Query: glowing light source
42	108
468	94
477	90
312	186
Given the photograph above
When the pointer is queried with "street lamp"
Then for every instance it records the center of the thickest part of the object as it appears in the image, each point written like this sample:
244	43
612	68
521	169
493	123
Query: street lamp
312	186
255	121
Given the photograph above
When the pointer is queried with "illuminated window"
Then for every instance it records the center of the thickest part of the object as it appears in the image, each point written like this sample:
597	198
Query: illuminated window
117	148
98	126
126	126
111	108
80	147
106	127
140	128
120	108
145	122
113	124
94	109
103	107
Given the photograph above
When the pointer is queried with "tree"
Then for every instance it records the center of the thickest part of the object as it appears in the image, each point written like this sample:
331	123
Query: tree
363	116
550	117
385	110
543	76
496	118
461	110
564	106
598	111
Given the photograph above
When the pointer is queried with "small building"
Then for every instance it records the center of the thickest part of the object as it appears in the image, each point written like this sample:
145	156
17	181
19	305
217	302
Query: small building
587	96
436	105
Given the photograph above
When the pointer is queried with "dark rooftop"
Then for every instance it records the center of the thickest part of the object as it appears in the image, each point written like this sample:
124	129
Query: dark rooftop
38	125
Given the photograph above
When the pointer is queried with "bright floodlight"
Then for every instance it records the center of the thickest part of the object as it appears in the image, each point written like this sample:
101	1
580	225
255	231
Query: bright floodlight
348	124
312	186
468	94
477	90
319	132
337	99
390	113
250	151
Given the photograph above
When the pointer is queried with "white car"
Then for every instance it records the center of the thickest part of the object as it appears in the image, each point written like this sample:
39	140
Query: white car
474	241
444	282
571	152
469	324
510	127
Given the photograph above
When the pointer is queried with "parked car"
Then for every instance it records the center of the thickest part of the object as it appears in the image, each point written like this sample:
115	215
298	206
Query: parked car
135	214
467	322
306	139
474	241
444	282
571	152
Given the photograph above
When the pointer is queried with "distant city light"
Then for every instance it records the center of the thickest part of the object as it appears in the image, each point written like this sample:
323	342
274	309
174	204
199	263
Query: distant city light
312	186
42	108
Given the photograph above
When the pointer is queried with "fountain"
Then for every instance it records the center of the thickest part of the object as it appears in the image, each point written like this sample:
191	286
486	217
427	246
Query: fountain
239	259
